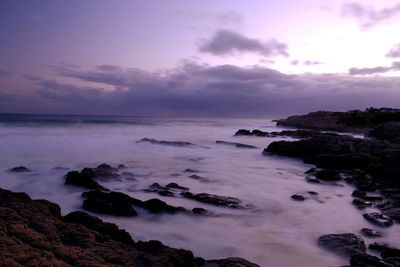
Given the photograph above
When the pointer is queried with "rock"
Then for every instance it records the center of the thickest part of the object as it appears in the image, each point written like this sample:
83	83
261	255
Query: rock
233	262
169	143
238	145
371	232
229	202
312	180
156	206
358	193
298	197
190	171
83	179
199	178
20	169
393	213
312	193
389	131
378	219
348	243
199	211
243	132
312	171
107	207
33	233
96	224
361	204
176	186
328	175
366	260
379	246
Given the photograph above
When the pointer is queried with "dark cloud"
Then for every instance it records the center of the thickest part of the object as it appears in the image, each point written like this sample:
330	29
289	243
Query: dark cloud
369	16
376	70
394	52
197	90
227	42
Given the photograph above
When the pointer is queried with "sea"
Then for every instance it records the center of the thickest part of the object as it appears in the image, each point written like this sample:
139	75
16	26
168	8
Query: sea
274	231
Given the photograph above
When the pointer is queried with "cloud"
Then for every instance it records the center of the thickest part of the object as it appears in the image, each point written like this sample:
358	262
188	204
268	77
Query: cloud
230	17
369	16
306	62
227	42
376	70
198	90
394	52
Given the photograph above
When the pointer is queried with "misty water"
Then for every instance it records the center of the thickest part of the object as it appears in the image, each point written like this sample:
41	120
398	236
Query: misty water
274	231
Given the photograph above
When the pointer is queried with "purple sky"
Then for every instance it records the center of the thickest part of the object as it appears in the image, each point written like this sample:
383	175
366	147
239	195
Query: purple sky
229	58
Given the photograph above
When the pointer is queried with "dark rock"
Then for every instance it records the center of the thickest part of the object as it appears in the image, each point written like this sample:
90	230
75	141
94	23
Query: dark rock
113	197
389	131
199	211
176	186
230	202
243	132
358	193
349	243
378	219
83	179
379	246
312	180
238	145
20	169
371	232
107	207
393	213
312	193
156	206
94	223
233	262
371	198
365	260
328	175
362	204
298	197
169	143
199	178
311	171
121	166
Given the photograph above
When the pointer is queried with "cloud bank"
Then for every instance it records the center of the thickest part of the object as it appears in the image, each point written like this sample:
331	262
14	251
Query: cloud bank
394	52
197	90
369	16
376	70
227	42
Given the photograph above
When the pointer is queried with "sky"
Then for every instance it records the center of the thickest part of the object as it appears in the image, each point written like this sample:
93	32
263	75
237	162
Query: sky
226	58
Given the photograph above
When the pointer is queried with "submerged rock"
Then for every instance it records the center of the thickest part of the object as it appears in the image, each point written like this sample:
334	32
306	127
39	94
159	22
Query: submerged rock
371	232
239	145
109	207
366	260
230	202
83	179
378	219
298	197
20	169
169	143
348	243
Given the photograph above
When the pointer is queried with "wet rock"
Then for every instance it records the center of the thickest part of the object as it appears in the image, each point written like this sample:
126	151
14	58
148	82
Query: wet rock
298	197
371	232
96	224
361	204
176	186
33	233
366	260
380	246
243	132
230	202
238	145
199	211
82	179
348	243
108	207
169	143
371	198
378	219
393	213
233	262
121	166
199	178
358	193
312	180
312	171
20	169
389	131
156	206
328	175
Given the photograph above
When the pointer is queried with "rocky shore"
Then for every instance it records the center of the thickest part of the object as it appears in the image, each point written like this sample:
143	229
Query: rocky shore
33	233
370	164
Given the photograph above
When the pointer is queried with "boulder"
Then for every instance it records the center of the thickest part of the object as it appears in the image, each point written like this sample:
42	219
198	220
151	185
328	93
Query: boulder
20	169
229	202
371	232
378	219
347	243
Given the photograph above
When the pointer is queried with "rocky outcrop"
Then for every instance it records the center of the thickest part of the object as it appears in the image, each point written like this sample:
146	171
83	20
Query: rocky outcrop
238	145
33	233
348	244
224	201
389	131
169	143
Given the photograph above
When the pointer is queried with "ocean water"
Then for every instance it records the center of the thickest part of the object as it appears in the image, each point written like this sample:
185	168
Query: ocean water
276	231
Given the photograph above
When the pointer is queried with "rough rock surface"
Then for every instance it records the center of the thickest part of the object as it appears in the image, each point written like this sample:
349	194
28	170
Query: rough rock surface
33	233
348	243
